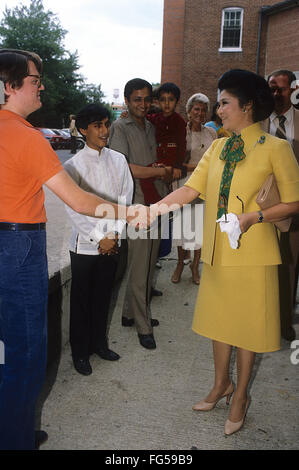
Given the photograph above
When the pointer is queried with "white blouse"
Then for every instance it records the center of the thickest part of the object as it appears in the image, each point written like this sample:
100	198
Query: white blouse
199	142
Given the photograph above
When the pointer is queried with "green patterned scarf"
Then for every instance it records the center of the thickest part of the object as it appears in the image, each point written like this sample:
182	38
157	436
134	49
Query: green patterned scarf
232	153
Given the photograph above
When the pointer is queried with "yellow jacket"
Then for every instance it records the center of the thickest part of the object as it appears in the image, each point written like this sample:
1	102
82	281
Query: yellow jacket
259	245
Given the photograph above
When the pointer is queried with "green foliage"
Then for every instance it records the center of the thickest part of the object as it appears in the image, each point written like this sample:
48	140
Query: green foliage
34	29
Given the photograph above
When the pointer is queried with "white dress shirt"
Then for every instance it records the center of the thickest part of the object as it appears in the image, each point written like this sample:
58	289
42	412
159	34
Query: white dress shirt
288	124
107	175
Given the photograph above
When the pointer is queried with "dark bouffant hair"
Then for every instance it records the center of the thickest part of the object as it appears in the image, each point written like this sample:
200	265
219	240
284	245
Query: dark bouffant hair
91	113
249	87
169	87
136	84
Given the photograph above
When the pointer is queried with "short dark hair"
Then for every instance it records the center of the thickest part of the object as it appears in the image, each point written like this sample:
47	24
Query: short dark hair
288	73
91	113
214	116
14	66
169	87
136	84
249	87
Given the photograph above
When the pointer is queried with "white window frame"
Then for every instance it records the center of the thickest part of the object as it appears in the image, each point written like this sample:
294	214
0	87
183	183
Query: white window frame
231	49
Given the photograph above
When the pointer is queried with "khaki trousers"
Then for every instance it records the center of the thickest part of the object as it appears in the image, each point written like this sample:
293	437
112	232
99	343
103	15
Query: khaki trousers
142	258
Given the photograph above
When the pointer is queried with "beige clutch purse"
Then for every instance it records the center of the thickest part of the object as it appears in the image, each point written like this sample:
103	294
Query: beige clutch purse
269	196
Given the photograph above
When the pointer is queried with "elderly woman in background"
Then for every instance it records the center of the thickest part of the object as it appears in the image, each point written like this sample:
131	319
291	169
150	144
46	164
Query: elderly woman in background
199	139
238	300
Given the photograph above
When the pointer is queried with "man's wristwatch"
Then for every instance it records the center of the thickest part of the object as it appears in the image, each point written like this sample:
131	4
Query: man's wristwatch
261	217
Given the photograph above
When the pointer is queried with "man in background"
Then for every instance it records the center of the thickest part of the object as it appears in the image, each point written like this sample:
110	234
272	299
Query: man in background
73	133
284	123
134	137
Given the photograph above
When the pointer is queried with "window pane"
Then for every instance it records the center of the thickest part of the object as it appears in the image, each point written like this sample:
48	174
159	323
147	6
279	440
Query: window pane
231	37
231	29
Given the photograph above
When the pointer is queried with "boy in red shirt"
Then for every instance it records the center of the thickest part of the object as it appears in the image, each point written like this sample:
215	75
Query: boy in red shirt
170	136
170	128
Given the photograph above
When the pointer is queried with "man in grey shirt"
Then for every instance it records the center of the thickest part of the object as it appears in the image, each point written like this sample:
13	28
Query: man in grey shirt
134	137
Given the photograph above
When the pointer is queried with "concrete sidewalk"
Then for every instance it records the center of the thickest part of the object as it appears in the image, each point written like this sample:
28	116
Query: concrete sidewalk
144	400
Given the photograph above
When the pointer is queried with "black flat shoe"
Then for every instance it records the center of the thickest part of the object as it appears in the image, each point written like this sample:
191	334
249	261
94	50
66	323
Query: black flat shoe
147	341
82	366
127	321
156	293
130	321
107	354
40	437
289	334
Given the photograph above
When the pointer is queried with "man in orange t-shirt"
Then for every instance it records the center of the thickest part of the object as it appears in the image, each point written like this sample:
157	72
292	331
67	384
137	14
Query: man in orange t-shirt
27	162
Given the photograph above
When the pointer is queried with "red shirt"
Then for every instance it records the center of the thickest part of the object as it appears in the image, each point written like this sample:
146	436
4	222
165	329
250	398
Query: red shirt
170	137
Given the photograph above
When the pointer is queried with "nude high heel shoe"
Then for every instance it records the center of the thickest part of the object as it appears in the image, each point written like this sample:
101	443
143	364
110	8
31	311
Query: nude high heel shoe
231	427
208	406
195	275
176	277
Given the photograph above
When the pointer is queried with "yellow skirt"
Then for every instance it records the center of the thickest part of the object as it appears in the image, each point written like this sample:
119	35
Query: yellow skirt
238	305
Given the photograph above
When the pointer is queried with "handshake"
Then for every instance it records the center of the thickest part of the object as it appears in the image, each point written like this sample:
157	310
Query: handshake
141	217
136	215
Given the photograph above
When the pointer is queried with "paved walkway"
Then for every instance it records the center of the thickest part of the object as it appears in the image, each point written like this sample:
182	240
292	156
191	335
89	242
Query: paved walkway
143	401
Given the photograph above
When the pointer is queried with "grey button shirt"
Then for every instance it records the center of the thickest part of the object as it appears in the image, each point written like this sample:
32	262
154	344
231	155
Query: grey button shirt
138	144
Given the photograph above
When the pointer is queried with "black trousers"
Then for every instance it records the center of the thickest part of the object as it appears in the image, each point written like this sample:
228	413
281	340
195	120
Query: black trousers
91	290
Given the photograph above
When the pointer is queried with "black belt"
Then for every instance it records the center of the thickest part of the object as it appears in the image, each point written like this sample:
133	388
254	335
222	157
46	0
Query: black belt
18	227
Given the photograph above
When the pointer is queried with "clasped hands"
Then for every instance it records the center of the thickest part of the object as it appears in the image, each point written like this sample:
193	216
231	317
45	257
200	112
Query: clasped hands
109	244
170	173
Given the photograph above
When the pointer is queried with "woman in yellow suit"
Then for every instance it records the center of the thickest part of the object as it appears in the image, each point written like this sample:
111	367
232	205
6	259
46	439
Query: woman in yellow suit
238	299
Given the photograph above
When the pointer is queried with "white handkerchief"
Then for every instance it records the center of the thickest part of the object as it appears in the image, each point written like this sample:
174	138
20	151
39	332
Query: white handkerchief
231	227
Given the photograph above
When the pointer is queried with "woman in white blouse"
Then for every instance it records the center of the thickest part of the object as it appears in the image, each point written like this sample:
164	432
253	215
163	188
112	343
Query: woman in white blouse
199	139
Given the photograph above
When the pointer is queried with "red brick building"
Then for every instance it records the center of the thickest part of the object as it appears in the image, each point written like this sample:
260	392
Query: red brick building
280	38
202	39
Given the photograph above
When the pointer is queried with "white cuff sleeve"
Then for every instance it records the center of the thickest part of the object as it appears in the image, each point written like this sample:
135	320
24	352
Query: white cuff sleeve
95	236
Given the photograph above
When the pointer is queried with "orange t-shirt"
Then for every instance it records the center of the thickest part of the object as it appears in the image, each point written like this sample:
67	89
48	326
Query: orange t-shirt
27	161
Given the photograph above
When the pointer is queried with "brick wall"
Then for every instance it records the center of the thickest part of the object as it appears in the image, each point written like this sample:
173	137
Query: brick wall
201	62
282	41
173	40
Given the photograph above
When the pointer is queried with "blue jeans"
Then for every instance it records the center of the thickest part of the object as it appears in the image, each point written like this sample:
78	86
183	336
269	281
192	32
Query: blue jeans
23	331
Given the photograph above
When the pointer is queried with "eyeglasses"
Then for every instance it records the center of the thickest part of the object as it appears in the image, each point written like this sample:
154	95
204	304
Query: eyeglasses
226	205
278	90
241	203
38	80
